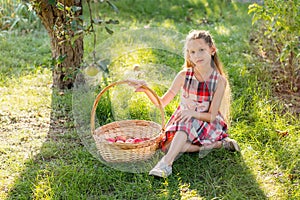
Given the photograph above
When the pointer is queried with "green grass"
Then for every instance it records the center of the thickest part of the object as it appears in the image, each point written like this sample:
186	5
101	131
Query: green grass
41	151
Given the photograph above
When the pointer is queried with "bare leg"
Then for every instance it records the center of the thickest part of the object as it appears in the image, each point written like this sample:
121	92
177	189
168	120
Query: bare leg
189	147
227	143
215	145
178	143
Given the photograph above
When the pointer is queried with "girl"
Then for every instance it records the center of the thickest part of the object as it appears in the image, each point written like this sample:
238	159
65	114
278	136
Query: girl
197	124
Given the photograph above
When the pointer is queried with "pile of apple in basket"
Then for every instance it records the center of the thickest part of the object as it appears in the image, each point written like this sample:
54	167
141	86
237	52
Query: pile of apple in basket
124	139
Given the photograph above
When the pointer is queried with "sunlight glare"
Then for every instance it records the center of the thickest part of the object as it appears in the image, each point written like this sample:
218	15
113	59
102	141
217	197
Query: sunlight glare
222	30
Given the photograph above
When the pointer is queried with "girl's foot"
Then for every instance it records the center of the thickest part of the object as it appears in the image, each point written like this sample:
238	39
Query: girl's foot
161	169
231	145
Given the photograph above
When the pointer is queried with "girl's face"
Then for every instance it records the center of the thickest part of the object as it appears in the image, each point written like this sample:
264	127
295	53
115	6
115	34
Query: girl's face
199	52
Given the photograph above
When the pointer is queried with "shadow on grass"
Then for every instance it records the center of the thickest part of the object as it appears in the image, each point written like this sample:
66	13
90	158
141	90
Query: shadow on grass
64	169
221	174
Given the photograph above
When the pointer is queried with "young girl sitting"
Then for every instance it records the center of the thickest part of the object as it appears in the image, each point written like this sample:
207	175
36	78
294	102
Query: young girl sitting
197	124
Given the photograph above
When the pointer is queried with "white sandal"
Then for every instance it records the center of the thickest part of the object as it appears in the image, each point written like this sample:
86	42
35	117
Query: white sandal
231	145
161	170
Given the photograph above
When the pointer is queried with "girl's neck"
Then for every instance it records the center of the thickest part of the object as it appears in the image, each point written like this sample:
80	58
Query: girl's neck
203	74
203	71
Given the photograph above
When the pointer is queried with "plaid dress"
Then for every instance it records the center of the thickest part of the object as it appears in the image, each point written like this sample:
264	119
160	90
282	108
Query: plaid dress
197	96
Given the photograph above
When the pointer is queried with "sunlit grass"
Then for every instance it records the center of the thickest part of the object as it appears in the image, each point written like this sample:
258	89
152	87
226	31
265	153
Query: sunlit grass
40	162
25	118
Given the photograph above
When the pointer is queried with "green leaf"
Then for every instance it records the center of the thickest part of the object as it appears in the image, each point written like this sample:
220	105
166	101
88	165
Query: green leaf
51	2
60	59
111	21
109	30
81	17
75	8
60	6
74	25
253	8
113	6
97	21
255	18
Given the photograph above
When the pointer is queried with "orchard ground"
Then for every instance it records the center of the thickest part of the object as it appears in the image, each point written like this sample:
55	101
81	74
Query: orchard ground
43	156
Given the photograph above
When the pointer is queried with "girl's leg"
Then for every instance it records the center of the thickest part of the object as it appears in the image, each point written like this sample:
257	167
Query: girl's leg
227	143
189	147
178	144
215	145
164	167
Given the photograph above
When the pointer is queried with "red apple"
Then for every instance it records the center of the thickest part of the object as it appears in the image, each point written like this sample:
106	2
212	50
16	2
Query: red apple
120	137
119	141
129	140
111	140
137	140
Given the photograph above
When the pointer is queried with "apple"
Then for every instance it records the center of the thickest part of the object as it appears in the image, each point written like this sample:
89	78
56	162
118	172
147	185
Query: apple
111	140
137	140
122	138
129	140
91	70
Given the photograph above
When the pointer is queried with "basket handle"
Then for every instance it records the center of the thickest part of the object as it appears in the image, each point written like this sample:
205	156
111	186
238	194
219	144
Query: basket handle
129	82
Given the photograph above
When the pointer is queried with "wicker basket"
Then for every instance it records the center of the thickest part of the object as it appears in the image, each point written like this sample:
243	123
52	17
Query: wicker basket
127	152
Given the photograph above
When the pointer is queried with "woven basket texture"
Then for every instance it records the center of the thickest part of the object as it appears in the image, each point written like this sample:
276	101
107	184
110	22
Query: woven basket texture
115	152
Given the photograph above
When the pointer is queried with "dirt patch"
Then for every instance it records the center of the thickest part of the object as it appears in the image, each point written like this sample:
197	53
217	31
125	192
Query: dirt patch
284	80
284	90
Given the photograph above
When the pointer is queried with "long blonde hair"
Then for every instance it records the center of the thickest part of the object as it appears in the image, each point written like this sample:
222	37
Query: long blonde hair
216	63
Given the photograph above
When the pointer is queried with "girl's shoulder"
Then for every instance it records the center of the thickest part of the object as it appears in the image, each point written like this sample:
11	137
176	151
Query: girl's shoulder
186	71
180	77
183	72
221	78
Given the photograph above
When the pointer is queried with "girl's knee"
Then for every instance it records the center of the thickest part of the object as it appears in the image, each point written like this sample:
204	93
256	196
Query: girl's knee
181	134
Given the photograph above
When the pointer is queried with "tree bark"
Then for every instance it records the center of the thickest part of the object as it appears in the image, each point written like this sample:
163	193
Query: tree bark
67	54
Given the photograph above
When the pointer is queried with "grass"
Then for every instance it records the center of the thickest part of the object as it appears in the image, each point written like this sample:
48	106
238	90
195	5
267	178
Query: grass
43	155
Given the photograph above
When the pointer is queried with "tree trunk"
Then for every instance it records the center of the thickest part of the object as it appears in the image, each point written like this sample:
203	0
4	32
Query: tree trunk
67	53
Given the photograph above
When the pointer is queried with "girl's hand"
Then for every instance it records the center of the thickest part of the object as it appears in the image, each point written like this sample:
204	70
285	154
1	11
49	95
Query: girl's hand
137	84
185	115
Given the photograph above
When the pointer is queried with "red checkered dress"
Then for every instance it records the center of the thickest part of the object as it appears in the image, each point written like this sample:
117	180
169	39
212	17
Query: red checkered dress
197	96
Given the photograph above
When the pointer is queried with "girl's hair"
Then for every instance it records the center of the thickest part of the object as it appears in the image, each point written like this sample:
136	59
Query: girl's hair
200	34
215	63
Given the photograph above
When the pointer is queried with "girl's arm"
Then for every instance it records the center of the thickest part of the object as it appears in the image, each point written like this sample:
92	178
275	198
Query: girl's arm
186	115
212	113
170	94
